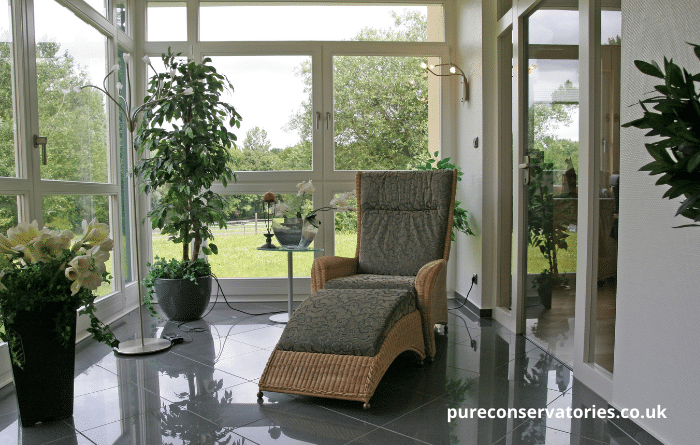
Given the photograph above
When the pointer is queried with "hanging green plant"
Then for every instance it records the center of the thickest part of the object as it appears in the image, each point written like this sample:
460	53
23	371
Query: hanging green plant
674	116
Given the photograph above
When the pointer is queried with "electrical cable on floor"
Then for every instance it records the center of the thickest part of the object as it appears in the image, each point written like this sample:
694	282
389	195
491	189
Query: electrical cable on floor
472	342
195	329
237	310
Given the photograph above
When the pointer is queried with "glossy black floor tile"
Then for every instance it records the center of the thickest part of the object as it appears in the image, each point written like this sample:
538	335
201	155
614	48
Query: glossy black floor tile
205	391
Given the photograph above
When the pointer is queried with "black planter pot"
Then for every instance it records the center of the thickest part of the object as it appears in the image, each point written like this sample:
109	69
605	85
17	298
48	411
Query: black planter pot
45	385
182	299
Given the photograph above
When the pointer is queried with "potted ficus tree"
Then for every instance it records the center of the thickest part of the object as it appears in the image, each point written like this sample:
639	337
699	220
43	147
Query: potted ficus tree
188	141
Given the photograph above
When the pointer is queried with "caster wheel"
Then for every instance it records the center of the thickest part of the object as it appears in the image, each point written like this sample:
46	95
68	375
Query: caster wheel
260	394
365	406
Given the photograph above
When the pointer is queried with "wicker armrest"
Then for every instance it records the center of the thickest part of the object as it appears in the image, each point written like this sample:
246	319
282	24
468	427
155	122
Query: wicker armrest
328	267
428	286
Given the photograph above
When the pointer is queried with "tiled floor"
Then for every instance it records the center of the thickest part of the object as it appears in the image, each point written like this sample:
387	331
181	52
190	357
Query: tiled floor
204	392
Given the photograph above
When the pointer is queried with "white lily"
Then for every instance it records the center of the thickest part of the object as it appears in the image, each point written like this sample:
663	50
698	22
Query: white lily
146	60
23	233
95	232
127	58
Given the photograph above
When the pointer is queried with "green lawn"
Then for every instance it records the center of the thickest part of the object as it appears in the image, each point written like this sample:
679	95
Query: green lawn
239	258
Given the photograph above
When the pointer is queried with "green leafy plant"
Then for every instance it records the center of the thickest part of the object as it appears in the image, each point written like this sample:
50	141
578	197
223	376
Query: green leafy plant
41	267
460	221
188	140
674	116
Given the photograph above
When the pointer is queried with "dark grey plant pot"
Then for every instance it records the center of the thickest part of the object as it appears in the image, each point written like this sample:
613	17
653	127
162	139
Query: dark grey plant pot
182	299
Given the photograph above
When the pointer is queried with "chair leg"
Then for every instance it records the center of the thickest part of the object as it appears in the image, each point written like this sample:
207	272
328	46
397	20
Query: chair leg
365	406
260	394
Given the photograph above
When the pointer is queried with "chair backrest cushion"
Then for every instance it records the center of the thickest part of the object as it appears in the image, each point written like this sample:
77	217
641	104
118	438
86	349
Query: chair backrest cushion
404	219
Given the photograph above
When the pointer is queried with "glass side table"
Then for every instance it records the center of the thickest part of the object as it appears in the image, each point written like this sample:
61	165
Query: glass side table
284	318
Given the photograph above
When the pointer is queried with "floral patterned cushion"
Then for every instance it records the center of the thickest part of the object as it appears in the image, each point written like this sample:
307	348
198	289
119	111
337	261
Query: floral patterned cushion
370	281
404	220
346	321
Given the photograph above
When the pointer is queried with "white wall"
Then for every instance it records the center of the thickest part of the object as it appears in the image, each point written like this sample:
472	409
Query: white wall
464	22
657	359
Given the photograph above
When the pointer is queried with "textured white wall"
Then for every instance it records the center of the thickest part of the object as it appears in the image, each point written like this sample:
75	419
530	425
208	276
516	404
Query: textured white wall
657	358
465	19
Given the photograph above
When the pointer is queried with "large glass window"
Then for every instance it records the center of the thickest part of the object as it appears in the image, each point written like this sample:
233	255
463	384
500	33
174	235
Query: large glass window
273	94
70	54
380	106
266	22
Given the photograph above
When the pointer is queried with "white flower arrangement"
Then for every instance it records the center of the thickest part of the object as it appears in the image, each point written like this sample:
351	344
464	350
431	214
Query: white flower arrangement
342	203
43	266
84	262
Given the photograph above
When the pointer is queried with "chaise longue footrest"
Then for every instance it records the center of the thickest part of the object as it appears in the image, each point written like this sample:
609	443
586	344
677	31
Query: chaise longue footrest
346	321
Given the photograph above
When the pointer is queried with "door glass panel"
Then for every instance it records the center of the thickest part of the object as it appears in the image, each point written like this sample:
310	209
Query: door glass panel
261	22
380	106
608	200
75	123
67	212
552	194
8	146
274	96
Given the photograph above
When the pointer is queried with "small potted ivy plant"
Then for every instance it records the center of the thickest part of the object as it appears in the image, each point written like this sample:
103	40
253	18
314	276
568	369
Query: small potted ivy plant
188	140
674	118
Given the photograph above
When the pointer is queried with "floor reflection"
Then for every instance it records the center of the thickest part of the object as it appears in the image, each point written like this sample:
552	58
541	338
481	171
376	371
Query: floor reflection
204	392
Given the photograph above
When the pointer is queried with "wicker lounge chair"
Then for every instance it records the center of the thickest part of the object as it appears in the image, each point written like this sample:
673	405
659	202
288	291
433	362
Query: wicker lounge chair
365	311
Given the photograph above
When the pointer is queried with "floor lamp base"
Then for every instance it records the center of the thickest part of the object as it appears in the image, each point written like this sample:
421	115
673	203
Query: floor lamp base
148	346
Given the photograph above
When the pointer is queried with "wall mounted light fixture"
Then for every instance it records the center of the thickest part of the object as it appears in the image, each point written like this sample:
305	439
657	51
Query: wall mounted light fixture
454	70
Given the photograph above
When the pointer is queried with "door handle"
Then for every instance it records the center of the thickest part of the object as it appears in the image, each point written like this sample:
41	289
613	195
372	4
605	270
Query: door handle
41	140
318	120
525	166
328	120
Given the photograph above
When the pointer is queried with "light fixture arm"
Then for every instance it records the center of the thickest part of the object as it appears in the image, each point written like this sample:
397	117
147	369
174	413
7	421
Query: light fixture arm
453	71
